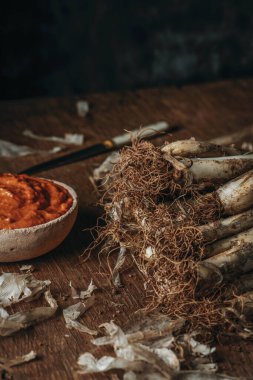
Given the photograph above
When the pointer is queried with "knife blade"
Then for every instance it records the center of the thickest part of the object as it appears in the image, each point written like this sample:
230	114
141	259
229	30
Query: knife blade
102	147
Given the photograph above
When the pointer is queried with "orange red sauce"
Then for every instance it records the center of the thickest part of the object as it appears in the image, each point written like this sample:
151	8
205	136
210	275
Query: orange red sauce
26	201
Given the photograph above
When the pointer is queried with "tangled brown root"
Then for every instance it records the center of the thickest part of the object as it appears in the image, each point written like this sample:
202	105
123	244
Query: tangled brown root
177	290
199	209
208	208
141	173
144	214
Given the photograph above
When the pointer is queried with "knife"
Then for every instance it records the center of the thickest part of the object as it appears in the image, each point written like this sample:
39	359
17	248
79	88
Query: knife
105	146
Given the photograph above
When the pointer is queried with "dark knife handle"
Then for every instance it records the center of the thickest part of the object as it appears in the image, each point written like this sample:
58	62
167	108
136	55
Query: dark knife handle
79	155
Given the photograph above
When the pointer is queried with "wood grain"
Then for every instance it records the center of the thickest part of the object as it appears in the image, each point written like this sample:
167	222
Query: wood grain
203	111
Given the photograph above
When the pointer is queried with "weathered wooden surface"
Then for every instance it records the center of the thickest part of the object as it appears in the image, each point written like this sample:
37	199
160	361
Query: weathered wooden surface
204	111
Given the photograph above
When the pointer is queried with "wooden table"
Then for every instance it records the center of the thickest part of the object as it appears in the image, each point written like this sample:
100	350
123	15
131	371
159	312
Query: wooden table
204	111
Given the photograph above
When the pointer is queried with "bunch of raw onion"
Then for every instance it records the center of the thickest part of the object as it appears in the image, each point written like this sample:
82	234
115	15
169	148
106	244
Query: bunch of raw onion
184	213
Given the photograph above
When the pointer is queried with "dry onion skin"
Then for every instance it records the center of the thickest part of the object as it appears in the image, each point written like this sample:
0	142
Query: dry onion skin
164	215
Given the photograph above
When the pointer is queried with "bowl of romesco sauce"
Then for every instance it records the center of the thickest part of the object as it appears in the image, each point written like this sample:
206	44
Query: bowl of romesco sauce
36	215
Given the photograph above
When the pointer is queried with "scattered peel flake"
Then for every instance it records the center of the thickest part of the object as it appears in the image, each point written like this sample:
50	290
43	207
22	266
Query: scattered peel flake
200	348
119	264
160	331
89	364
162	359
150	251
6	363
82	107
114	336
146	352
55	149
133	358
204	364
73	312
27	268
69	138
101	173
116	211
3	313
124	346
74	293
168	356
88	292
84	294
80	327
247	146
16	287
155	329
9	324
117	280
9	149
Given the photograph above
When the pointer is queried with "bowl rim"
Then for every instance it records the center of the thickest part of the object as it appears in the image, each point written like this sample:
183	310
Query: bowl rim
50	222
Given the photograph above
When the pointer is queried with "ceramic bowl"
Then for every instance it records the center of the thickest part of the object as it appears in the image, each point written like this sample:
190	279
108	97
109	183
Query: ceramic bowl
30	242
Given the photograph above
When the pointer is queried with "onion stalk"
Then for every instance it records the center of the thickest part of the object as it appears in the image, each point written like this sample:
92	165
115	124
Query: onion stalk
237	195
225	227
245	237
230	255
194	148
220	168
233	138
213	169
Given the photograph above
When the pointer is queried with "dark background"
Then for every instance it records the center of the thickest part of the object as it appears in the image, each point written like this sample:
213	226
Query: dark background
63	47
